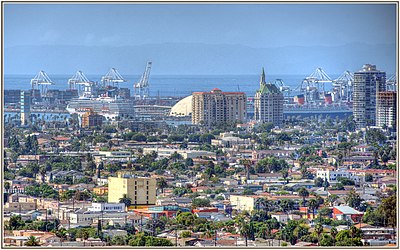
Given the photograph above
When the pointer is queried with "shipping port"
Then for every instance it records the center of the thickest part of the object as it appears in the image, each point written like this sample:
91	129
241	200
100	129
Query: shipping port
316	94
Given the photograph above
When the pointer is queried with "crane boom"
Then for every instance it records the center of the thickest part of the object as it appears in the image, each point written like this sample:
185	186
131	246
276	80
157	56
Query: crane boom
142	87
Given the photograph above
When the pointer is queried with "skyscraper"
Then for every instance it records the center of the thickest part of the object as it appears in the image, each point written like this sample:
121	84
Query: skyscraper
367	83
25	107
268	103
386	109
217	107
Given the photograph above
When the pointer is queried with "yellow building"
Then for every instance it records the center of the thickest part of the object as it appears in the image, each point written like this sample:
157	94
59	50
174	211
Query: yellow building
91	119
100	190
243	202
141	190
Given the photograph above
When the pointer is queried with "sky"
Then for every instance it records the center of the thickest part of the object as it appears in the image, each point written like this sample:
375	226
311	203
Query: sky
253	25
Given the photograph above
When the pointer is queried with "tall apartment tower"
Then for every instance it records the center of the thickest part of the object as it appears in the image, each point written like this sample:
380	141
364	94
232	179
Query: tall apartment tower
25	107
367	83
386	109
216	107
268	103
141	190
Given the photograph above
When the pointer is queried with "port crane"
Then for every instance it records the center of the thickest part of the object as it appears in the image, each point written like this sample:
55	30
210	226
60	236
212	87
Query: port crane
314	84
344	86
391	83
142	88
282	87
41	81
78	80
112	78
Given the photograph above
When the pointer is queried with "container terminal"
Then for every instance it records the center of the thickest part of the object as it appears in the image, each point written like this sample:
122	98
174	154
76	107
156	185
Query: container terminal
111	99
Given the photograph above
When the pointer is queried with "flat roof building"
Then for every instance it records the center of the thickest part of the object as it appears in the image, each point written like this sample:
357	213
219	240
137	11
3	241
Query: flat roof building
386	109
141	190
367	83
217	107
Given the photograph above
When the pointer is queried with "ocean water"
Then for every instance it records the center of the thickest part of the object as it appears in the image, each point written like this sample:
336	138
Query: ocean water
165	85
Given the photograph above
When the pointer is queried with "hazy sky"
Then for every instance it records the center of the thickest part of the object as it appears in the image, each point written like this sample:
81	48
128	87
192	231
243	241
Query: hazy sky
255	25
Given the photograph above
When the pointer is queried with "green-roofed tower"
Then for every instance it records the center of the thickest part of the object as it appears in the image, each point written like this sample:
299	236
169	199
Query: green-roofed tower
268	103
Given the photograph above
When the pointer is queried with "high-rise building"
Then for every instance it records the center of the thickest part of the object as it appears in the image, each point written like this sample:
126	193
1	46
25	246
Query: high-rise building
91	119
25	107
386	109
367	83
268	103
141	190
217	107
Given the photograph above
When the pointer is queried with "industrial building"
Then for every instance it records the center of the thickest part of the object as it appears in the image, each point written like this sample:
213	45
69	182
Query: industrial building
217	107
141	190
268	103
367	83
386	109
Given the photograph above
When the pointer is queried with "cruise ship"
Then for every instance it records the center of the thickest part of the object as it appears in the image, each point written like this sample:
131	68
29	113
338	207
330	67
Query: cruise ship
109	107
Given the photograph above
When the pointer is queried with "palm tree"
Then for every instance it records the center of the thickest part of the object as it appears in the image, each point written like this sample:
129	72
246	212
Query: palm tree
62	233
126	200
32	242
161	184
333	234
353	232
319	229
332	198
303	192
313	204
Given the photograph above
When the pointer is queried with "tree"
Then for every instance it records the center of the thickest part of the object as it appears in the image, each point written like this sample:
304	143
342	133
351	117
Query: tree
326	240
303	192
161	184
7	186
126	200
142	240
139	137
319	229
353	199
333	233
199	202
373	136
185	219
181	191
388	209
15	222
344	238
32	242
313	204
118	240
318	182
189	162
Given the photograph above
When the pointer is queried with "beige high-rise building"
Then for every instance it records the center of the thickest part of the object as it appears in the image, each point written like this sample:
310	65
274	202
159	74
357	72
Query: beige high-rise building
216	107
141	190
268	103
386	109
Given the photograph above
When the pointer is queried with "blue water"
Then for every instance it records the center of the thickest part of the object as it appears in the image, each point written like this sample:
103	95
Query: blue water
172	85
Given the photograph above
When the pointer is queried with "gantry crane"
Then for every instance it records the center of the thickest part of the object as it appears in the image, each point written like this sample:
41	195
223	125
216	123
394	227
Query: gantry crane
41	81
142	88
313	85
344	86
282	87
78	80
391	83
112	78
